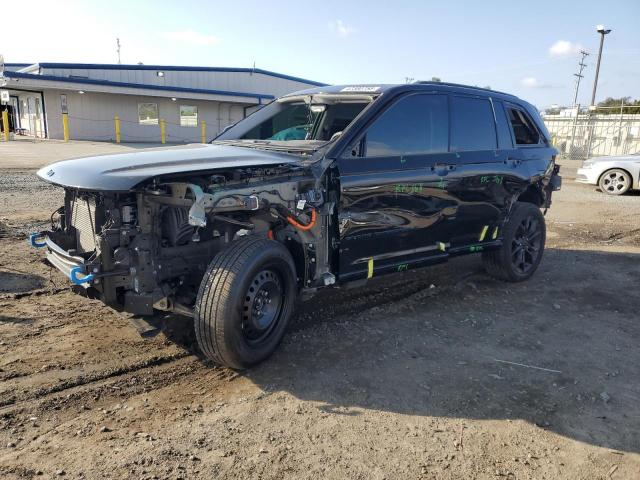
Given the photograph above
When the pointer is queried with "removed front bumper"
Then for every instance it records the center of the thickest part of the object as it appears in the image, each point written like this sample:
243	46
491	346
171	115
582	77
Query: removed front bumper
74	267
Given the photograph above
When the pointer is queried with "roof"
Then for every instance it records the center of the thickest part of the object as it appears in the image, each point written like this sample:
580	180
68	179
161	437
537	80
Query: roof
142	86
381	88
169	68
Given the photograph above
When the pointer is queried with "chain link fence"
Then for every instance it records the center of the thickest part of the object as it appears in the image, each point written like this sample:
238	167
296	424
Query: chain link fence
604	131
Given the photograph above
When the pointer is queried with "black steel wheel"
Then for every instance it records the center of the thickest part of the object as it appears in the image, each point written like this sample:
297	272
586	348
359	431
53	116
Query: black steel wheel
244	302
262	306
523	241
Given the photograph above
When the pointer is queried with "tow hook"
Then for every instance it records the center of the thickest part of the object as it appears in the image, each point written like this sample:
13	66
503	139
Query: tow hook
33	240
73	275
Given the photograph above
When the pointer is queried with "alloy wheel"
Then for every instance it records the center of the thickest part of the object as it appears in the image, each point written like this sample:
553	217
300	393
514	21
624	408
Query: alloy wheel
526	243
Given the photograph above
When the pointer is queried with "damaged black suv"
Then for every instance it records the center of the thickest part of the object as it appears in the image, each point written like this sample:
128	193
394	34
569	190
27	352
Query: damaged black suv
320	188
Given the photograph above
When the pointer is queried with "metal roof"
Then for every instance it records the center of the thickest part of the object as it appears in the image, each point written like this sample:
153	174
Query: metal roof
142	86
169	68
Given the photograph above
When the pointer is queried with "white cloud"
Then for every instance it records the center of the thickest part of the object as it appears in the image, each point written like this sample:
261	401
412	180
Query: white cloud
341	29
529	82
564	48
192	38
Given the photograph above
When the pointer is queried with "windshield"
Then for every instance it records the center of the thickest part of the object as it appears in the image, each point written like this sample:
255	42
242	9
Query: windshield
296	120
301	121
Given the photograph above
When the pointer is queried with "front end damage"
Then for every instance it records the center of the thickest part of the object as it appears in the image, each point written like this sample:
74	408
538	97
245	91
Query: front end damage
147	249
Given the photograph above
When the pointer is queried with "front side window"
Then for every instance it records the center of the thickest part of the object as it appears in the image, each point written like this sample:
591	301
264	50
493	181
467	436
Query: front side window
148	113
188	116
472	124
416	124
524	131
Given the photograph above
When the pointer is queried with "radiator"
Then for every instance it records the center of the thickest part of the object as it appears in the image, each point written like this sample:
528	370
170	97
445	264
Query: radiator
83	220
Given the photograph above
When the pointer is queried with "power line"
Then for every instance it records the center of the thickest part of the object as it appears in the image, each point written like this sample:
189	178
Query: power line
118	49
579	75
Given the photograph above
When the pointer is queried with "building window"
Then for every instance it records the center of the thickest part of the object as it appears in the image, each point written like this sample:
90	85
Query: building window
148	113
188	116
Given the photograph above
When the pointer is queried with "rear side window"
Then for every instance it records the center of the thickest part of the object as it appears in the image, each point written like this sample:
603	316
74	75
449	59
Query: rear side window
472	124
416	124
524	132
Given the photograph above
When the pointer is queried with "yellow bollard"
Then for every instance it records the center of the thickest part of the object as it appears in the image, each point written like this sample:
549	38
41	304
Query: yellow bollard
116	123
163	136
5	124
203	132
65	126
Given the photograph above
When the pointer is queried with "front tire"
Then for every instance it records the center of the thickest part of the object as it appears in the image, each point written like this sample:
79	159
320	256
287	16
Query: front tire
615	182
522	246
244	302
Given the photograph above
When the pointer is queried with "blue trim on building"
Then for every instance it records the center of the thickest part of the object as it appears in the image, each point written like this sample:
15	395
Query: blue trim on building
17	64
146	86
169	68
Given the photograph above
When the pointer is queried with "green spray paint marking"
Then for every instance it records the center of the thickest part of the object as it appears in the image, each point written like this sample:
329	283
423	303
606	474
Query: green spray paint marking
403	267
475	248
409	188
403	160
497	179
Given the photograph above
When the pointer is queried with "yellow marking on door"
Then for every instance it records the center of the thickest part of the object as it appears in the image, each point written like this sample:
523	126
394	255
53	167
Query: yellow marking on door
370	268
442	246
495	233
483	233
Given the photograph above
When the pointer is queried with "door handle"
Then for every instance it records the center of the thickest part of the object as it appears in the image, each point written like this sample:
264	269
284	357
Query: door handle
443	168
514	162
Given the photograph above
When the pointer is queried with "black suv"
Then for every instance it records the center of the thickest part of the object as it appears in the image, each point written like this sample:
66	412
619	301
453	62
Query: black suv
319	188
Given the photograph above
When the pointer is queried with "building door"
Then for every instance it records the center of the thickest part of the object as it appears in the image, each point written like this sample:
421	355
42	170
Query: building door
37	118
16	112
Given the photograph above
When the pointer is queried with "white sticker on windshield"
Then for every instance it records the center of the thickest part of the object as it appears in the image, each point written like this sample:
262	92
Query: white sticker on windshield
360	89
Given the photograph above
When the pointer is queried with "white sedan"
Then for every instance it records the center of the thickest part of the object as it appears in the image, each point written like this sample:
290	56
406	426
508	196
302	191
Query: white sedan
614	175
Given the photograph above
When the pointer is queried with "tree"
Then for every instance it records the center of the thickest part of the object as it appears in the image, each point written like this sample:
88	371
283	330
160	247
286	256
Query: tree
611	106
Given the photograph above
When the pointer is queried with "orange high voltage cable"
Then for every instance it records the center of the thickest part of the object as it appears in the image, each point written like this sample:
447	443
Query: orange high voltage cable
302	227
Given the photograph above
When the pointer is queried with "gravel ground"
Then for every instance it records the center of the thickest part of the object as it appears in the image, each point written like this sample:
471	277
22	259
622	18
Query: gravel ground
435	373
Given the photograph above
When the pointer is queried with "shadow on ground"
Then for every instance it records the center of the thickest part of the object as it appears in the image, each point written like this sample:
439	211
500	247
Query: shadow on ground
442	351
19	282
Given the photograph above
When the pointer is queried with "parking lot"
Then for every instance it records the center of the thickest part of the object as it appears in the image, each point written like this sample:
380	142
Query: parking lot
437	373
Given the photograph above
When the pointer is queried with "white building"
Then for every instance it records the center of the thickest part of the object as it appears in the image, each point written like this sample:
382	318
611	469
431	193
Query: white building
141	96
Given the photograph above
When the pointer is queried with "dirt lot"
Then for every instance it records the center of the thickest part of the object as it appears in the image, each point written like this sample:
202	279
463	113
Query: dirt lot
408	378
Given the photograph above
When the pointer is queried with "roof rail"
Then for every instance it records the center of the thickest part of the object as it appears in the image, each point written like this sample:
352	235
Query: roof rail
449	84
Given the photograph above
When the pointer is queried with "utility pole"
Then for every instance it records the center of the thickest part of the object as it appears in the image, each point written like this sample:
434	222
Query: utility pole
118	49
602	31
579	76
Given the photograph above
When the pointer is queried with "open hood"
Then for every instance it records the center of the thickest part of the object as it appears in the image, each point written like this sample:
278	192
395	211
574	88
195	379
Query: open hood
122	172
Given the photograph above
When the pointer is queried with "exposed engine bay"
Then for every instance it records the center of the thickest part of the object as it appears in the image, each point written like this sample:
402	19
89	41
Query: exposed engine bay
149	248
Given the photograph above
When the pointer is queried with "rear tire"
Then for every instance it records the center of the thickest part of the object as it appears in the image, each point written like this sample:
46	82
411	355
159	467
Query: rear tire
244	302
615	182
522	246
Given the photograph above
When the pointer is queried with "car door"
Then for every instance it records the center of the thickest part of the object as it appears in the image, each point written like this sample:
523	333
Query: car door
478	181
393	211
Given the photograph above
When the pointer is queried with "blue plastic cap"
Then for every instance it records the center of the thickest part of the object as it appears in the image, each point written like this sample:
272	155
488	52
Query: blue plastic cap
33	240
73	275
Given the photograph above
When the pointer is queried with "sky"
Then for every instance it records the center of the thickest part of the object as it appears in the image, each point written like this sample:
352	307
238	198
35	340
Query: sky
530	48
